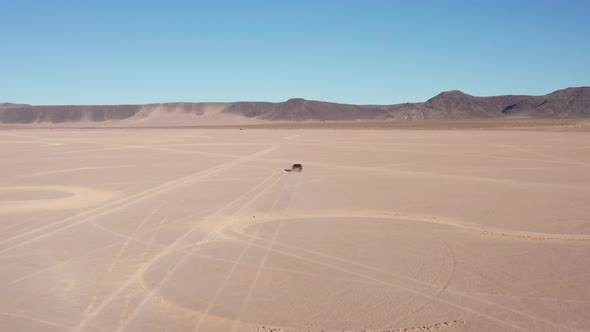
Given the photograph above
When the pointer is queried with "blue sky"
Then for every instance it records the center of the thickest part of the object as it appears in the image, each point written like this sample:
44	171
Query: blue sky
364	52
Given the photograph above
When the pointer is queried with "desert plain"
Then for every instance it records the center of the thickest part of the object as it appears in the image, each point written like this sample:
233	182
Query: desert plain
384	230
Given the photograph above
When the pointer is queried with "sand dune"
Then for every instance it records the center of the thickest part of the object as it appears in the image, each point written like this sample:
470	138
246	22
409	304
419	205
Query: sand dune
203	230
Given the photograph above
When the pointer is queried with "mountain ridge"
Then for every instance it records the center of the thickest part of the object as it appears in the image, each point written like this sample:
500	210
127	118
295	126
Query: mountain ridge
571	102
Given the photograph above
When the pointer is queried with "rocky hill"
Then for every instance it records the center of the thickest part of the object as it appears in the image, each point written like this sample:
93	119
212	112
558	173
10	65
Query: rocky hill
567	103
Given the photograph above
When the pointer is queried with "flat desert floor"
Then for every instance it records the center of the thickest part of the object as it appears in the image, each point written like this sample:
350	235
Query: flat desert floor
384	230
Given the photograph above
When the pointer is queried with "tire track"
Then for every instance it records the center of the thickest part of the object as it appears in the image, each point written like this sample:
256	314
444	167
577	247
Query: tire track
177	265
144	256
230	273
36	320
59	171
441	289
131	236
393	285
129	200
170	248
414	281
264	259
126	239
122	239
431	327
498	232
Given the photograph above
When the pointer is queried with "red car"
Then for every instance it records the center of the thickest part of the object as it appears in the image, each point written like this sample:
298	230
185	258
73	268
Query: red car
297	168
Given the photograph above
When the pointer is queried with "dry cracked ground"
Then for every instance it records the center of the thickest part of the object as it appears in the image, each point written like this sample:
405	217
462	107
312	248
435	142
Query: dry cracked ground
203	230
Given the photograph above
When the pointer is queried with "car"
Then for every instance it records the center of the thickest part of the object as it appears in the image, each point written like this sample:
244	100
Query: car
297	168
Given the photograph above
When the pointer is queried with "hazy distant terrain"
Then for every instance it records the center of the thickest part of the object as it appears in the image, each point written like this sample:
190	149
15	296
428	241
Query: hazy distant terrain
451	105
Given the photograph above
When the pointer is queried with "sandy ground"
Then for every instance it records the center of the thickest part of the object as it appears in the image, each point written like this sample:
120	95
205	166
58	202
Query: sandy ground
203	230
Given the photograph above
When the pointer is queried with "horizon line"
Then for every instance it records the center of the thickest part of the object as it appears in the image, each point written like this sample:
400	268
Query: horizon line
276	102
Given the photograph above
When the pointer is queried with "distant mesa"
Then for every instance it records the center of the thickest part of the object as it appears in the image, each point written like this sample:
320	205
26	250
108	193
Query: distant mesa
448	105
